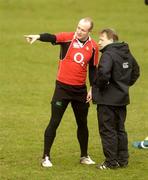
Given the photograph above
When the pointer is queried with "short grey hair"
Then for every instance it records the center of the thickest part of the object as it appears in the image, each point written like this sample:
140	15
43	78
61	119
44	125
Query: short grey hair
88	19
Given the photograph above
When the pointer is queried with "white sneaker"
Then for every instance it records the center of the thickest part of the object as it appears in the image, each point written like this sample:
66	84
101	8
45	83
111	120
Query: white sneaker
86	160
46	162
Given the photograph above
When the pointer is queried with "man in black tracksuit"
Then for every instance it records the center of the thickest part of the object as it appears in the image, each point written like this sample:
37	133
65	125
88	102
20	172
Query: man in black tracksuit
117	71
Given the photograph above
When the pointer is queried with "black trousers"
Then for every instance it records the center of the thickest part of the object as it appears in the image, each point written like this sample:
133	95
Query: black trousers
111	121
58	108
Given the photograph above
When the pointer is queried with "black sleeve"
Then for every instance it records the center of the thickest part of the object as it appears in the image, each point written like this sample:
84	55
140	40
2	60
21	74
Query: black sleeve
92	70
92	74
46	37
104	71
135	72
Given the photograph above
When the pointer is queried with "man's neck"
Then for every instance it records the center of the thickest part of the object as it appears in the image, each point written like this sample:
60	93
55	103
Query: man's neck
83	41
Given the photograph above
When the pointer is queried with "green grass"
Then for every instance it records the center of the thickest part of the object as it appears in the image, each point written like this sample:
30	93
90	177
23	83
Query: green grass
27	79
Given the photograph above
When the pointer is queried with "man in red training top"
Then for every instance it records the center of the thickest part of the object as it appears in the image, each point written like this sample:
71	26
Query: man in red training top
77	51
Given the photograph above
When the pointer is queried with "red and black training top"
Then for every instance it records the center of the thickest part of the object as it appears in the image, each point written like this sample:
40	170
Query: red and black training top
74	57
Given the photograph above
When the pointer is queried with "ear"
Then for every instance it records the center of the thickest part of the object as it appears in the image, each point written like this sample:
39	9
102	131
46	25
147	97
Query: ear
111	40
90	31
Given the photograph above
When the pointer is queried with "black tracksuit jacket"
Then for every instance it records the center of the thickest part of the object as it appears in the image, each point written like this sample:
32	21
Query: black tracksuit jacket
117	71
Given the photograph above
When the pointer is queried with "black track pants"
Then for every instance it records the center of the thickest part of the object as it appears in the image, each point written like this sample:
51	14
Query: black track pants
57	110
111	120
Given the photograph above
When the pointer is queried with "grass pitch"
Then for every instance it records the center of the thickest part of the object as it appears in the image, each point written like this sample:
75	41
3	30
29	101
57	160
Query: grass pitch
27	80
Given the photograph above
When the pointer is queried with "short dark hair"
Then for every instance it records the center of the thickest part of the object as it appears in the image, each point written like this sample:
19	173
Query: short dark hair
111	34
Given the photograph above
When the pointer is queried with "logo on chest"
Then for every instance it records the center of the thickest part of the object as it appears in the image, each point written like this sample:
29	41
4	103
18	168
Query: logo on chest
125	65
79	58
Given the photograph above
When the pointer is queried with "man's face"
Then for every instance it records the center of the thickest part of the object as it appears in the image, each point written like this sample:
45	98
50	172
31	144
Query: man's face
82	31
104	41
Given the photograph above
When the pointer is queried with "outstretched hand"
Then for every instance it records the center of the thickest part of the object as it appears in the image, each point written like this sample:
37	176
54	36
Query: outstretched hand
31	38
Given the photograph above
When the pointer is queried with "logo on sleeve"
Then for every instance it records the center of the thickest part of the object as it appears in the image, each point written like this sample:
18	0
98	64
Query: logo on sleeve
125	65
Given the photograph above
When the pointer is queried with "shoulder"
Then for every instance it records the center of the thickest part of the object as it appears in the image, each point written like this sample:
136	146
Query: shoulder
95	44
64	36
108	51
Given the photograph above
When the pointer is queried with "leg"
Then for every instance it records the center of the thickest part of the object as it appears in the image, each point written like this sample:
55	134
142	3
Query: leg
107	130
81	111
122	137
57	110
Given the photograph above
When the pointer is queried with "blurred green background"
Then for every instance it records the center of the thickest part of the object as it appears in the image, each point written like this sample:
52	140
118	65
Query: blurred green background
27	80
